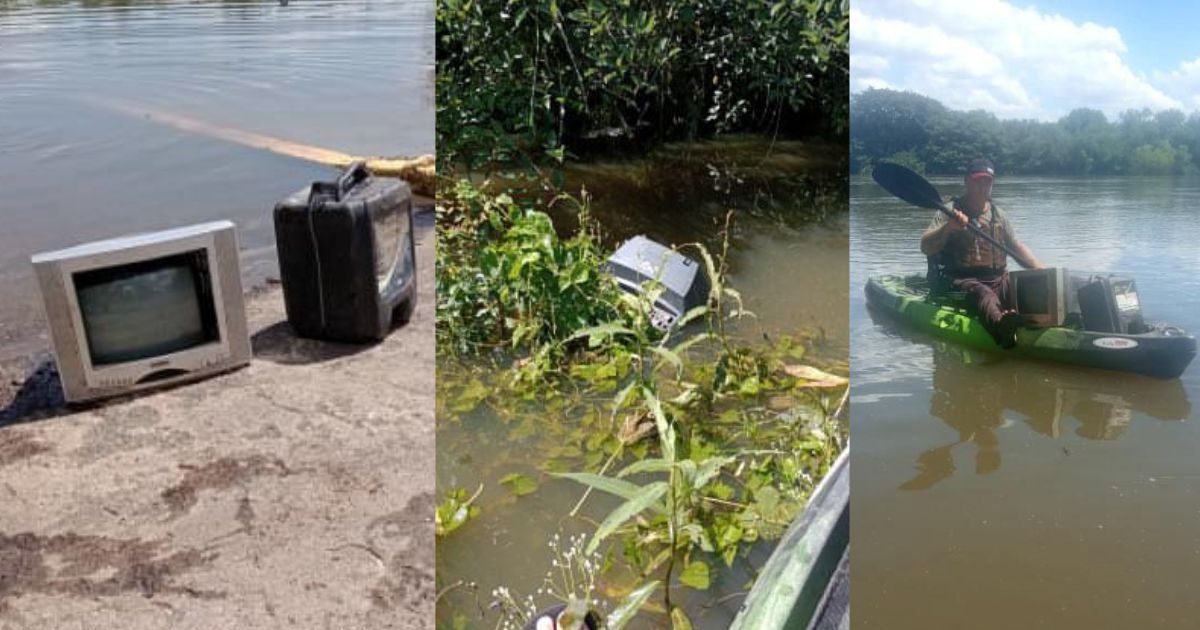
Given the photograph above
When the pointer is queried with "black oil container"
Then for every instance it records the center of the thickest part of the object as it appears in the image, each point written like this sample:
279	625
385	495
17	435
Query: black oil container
347	256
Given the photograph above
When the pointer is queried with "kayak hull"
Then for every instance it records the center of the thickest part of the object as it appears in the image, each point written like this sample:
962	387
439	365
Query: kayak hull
1162	353
805	584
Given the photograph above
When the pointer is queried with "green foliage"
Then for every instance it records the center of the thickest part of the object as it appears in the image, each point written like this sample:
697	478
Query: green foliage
519	79
504	277
715	443
925	135
455	510
519	484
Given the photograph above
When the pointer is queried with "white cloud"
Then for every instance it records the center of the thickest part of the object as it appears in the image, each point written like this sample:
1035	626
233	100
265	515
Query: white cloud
1013	61
1183	83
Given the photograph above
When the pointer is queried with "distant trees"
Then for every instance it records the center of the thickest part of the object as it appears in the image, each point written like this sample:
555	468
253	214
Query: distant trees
927	136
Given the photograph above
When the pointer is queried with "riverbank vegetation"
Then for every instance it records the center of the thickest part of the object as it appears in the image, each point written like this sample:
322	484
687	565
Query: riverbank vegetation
926	135
708	441
547	78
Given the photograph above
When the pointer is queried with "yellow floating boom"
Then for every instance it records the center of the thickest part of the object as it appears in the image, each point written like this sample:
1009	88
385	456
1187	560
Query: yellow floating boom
419	171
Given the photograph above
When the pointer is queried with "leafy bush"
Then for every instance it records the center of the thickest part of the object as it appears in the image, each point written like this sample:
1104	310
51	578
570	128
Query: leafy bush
517	78
505	278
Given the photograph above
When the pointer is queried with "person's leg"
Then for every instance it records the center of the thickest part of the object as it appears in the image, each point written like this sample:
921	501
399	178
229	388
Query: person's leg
991	308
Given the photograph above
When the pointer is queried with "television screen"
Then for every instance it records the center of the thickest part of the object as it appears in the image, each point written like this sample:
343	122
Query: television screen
148	308
1033	294
392	255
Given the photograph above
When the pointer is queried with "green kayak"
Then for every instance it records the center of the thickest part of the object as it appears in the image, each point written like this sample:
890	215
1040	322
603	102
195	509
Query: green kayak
806	581
1162	352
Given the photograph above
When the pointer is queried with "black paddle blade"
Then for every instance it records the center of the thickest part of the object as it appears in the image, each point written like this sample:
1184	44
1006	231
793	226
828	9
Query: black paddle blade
907	185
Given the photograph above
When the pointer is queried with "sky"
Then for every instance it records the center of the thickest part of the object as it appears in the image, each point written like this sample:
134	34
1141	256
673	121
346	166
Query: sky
1030	60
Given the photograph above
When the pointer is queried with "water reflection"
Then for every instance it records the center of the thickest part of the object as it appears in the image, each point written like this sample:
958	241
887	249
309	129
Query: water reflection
979	395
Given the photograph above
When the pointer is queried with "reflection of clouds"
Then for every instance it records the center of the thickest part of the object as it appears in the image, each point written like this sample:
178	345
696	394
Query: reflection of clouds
867	399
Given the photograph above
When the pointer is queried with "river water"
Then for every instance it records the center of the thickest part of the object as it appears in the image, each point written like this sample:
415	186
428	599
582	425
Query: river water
996	492
787	259
78	162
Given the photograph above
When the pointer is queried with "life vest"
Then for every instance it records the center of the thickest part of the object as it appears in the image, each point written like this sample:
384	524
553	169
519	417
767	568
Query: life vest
966	254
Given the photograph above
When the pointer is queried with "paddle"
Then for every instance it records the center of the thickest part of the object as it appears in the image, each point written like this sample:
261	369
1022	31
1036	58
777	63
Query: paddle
917	190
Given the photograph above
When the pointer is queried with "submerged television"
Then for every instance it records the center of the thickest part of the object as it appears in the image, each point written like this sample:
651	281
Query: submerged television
685	285
144	311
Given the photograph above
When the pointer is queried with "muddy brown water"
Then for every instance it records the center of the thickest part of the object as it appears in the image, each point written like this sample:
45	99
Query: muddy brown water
787	259
997	492
75	166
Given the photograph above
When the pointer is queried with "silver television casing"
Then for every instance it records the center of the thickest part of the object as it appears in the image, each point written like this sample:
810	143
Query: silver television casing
1057	282
685	284
84	381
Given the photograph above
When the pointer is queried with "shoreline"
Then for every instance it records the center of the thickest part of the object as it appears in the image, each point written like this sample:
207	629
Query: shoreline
296	491
27	353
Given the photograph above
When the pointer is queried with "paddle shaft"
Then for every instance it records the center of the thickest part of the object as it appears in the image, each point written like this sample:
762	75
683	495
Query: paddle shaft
911	187
987	237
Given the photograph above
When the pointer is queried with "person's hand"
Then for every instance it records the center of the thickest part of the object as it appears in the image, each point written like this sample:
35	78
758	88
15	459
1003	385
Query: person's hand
958	222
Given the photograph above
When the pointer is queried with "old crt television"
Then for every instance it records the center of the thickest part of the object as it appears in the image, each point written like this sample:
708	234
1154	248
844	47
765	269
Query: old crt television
1041	295
685	285
347	256
147	310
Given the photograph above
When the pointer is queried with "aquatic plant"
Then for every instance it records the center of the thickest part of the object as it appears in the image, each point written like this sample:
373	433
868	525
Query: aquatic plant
455	510
692	501
710	442
506	278
571	580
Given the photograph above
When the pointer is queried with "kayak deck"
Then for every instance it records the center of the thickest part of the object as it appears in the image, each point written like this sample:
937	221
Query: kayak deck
1163	352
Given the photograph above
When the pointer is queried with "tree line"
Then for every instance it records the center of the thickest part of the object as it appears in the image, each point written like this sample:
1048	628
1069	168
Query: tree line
516	77
925	135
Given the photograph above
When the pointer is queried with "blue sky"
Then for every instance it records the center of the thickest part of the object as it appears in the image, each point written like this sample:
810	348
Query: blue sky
1031	60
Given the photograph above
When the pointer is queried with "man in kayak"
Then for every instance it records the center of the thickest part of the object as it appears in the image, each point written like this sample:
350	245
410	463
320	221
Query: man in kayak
972	264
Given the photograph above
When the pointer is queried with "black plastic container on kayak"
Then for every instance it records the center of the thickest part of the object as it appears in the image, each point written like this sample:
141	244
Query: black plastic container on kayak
347	256
1110	304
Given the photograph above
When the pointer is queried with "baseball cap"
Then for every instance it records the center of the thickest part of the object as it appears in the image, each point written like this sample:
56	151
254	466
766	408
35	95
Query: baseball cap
980	167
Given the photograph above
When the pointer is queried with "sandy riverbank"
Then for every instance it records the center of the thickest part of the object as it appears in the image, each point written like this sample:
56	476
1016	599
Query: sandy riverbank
297	492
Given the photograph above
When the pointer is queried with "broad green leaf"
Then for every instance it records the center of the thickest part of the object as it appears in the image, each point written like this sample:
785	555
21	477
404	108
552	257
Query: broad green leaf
695	575
596	334
618	487
666	433
623	395
767	499
709	469
679	620
629	606
519	484
687	468
694	313
644	466
645	498
669	357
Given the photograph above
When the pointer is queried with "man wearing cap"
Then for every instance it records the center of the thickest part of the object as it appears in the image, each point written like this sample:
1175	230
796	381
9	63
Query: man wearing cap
971	263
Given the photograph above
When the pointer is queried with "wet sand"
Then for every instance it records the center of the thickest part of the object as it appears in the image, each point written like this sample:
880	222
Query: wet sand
297	492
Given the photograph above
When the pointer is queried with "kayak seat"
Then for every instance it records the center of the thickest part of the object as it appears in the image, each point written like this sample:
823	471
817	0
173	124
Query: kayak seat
938	283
